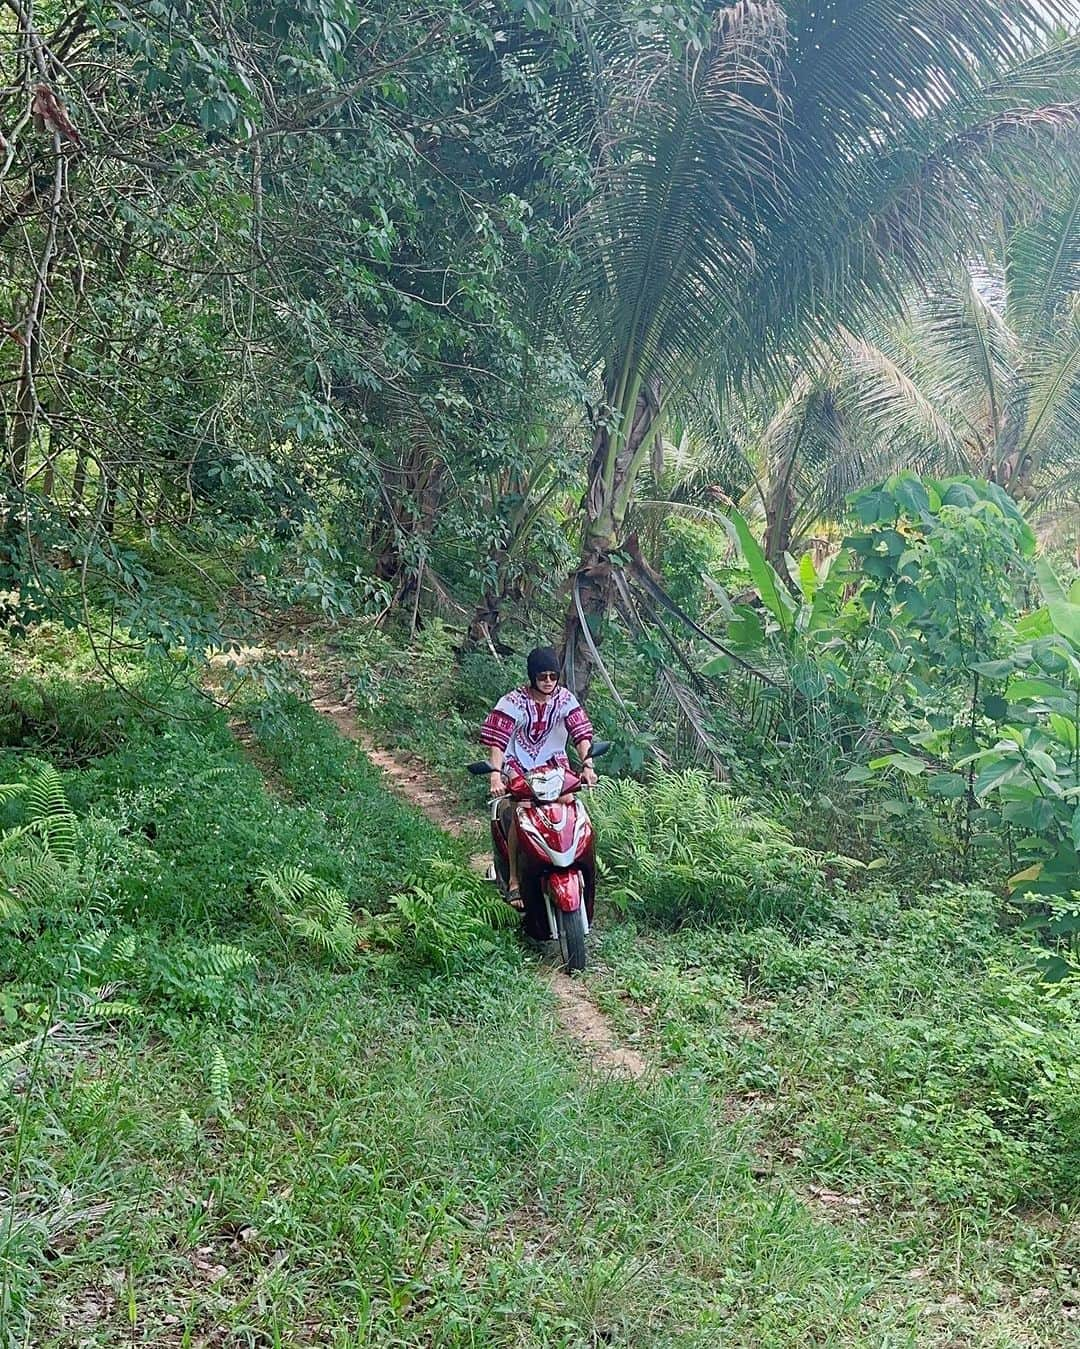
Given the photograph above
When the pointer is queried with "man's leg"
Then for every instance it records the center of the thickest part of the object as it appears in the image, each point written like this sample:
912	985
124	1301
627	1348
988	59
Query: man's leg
512	850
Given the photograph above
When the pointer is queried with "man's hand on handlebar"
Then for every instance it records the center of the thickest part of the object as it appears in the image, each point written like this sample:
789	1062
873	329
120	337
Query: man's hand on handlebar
496	785
588	776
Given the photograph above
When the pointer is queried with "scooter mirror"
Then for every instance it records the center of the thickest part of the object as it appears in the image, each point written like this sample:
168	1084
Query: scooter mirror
478	769
600	747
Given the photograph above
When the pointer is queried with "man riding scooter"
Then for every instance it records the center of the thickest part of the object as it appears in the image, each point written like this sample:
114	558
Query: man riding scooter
528	729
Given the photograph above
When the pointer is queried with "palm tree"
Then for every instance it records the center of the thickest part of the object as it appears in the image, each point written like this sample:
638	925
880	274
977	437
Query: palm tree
981	376
800	163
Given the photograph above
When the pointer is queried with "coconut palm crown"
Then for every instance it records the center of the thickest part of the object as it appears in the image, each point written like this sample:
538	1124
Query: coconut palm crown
786	170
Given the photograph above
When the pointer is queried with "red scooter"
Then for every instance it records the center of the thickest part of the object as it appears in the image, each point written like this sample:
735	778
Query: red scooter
556	861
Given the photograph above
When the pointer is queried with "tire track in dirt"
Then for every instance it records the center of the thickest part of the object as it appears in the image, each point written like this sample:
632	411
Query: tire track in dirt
577	1014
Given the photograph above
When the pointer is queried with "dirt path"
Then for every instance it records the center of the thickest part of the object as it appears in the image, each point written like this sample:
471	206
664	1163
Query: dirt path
582	1019
576	1013
408	775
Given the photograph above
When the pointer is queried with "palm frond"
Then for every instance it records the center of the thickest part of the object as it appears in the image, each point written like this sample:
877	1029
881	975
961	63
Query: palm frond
895	211
888	406
669	233
1043	263
1053	403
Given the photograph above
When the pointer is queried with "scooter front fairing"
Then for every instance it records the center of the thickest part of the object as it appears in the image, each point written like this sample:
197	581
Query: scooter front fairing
555	845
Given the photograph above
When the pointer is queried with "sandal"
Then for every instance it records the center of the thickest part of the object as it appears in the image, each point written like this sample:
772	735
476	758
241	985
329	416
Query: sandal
513	898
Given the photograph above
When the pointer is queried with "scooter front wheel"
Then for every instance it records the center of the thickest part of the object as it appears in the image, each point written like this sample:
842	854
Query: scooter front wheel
571	928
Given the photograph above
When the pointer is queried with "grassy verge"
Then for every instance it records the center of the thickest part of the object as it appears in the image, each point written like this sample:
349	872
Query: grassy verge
381	1151
892	1057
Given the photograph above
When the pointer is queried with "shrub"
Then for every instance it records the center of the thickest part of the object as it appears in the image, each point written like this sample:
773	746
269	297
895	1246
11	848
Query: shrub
445	919
677	848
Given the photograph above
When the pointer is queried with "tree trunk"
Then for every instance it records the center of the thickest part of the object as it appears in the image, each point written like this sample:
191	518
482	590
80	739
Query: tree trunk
778	524
106	509
24	421
619	452
487	617
78	486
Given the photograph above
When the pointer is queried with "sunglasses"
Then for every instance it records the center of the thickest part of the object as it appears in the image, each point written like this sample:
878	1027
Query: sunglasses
547	674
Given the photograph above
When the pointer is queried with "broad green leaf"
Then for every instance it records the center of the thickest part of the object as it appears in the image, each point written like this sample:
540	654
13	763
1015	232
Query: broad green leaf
896	808
997	774
912	599
977	757
906	763
1042	815
1060	870
959	494
1055	970
1064	613
1048	655
1076	828
774	594
1020	690
911	494
1033	625
808	577
858	774
993	669
1064	729
1031	873
1043	761
873	506
724	599
747	630
995	707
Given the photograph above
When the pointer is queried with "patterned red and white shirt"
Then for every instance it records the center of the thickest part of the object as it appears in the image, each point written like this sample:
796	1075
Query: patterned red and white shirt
531	733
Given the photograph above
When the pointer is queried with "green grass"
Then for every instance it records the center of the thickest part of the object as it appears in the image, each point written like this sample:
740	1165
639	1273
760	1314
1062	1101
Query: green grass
381	1154
907	1057
392	1176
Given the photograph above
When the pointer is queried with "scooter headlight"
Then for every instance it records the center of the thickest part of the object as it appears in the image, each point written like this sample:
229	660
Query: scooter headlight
546	784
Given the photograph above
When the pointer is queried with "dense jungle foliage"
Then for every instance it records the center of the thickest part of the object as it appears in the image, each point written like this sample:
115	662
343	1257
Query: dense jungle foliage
349	350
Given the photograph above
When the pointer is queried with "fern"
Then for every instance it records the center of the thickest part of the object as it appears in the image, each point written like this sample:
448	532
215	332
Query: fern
445	918
90	1095
223	960
123	953
105	1008
50	813
219	1082
311	910
29	876
13	1059
479	896
187	1133
35	856
677	848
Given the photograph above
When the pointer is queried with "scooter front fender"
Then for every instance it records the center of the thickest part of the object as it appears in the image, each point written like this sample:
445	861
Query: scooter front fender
566	889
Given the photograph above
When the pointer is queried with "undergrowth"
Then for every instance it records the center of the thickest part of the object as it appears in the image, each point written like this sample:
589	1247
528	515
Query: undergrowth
158	886
273	1073
676	849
